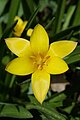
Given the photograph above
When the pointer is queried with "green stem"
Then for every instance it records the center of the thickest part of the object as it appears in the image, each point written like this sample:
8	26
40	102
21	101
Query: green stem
12	81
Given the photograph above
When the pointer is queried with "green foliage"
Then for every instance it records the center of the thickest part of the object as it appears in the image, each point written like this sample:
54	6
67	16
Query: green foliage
61	19
15	111
13	11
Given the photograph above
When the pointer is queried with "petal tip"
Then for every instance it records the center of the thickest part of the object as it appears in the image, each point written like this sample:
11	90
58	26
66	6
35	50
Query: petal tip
75	43
40	85
5	39
41	101
63	48
39	37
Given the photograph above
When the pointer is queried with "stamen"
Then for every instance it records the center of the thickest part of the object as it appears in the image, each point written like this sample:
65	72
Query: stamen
39	61
39	67
32	57
46	59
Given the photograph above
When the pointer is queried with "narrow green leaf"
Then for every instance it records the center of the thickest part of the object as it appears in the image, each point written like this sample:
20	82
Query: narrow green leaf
69	36
76	20
13	11
69	108
43	4
12	80
63	34
52	113
50	23
43	117
33	100
31	4
73	59
47	117
10	110
32	17
25	85
20	10
54	104
8	30
24	82
58	97
77	35
2	5
8	77
70	12
28	7
59	16
48	111
57	115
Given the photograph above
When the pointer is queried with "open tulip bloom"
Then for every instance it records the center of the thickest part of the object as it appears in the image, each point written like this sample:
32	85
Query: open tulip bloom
38	58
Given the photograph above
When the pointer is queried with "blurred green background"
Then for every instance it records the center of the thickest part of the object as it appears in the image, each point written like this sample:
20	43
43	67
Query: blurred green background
61	19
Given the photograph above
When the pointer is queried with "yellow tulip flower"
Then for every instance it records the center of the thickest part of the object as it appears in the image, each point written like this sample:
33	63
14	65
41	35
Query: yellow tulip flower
18	29
36	57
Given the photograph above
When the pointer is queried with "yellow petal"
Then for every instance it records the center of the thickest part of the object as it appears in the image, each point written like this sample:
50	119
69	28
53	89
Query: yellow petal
23	25
29	32
18	29
19	23
63	48
39	40
40	84
56	65
19	46
20	66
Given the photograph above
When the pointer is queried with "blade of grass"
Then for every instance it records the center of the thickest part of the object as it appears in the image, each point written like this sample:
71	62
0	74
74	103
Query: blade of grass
14	111
31	4
58	97
50	23
2	5
69	108
7	79
70	12
13	11
12	81
64	33
44	109
59	16
8	30
32	18
28	7
43	4
76	20
73	59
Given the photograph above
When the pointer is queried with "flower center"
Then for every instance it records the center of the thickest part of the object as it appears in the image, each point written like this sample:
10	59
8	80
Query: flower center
40	61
